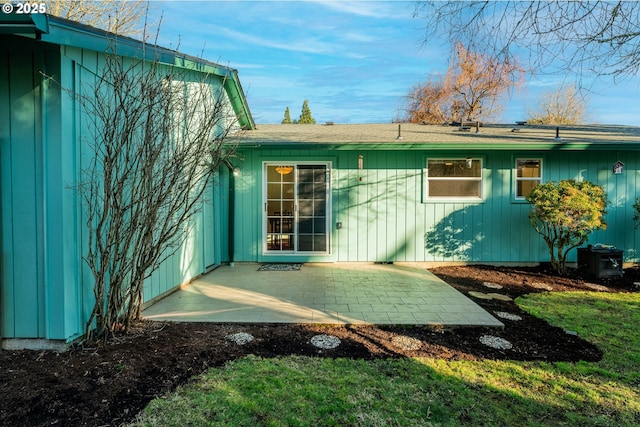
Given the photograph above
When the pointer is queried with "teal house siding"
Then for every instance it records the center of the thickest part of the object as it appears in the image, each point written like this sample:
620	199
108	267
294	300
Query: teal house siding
24	102
384	215
46	292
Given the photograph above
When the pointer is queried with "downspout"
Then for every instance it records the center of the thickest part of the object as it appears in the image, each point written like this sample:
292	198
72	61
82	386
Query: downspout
231	225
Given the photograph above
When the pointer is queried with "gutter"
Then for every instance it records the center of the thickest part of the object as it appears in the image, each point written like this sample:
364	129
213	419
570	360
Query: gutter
35	25
239	101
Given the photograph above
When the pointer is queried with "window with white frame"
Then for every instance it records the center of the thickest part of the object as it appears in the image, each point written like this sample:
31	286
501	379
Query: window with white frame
454	178
528	175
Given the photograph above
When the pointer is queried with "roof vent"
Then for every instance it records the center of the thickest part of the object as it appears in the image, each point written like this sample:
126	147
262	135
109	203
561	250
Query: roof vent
557	138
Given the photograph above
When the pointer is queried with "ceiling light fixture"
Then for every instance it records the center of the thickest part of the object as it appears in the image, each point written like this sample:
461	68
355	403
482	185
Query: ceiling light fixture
284	170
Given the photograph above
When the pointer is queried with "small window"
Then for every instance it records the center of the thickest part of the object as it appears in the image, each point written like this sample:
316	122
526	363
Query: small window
528	175
454	179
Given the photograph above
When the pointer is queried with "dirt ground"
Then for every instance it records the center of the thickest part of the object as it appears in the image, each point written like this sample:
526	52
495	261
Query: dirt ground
107	384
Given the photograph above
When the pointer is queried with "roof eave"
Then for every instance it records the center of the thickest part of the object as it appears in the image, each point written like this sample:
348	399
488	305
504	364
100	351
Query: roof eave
239	101
444	146
61	31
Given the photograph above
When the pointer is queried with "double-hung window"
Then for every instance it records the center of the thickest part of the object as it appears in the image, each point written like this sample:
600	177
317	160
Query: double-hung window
528	175
454	178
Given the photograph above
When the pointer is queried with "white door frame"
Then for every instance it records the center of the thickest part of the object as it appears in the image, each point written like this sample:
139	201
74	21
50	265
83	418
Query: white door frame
281	228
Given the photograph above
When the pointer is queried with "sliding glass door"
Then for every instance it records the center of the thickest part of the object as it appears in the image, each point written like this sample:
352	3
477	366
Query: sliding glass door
296	208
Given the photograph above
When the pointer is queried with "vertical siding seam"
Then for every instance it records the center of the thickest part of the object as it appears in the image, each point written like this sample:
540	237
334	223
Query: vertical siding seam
6	230
40	196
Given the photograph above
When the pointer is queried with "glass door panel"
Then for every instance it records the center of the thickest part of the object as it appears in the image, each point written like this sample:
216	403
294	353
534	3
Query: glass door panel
312	215
296	208
280	208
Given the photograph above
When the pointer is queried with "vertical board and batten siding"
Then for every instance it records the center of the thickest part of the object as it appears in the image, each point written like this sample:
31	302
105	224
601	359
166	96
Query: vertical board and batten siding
385	216
46	287
21	192
197	254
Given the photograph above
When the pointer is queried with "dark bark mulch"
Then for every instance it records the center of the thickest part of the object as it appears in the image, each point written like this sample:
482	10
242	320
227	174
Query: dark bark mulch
107	384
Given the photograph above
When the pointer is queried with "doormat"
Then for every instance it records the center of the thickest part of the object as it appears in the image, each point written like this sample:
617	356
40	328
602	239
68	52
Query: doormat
280	267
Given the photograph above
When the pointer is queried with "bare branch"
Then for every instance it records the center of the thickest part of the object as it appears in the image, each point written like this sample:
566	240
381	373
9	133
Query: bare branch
561	106
600	37
116	16
158	135
469	90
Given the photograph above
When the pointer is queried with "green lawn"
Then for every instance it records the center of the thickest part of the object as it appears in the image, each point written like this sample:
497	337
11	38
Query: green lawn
301	391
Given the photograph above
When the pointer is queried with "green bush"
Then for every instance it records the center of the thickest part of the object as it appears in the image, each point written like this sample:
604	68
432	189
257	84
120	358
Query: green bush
636	213
565	213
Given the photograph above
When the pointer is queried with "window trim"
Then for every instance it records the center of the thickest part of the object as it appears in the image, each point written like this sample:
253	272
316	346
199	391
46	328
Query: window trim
465	199
517	179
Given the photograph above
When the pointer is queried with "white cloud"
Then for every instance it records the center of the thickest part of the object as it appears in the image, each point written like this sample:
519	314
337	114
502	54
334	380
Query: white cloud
309	45
365	8
359	37
353	60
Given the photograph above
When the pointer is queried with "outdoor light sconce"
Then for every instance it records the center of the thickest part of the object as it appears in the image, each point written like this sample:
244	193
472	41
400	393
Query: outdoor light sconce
469	162
360	161
236	171
618	168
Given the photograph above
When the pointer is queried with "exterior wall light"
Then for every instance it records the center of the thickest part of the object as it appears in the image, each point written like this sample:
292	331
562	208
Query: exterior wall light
469	162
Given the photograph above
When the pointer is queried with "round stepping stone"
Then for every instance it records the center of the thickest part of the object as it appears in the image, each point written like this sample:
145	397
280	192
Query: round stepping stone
406	343
240	338
496	342
500	297
508	316
480	295
326	342
543	286
491	285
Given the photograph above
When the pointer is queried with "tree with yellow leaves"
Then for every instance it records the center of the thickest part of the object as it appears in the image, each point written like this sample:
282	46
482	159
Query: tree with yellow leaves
468	91
560	107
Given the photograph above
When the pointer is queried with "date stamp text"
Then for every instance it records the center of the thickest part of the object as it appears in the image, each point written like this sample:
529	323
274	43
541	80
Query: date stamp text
24	8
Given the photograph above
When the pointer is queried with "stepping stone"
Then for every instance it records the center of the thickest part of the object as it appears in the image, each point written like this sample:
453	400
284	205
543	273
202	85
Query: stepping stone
543	286
240	338
480	295
500	297
496	342
406	343
508	316
595	287
326	342
492	285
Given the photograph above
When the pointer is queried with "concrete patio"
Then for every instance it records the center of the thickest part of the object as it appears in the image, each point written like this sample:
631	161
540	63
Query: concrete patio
340	293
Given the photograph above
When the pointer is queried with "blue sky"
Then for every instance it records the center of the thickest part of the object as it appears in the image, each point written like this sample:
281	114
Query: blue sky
354	61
